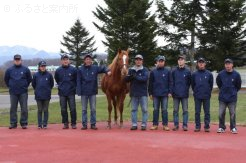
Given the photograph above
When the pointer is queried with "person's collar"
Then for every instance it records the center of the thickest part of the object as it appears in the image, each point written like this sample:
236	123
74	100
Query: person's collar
160	67
17	65
65	66
229	71
136	68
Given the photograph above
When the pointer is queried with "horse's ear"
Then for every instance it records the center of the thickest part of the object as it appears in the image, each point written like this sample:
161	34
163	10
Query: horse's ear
119	50
128	50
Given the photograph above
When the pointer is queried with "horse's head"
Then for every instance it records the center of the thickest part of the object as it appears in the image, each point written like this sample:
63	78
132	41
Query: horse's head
122	61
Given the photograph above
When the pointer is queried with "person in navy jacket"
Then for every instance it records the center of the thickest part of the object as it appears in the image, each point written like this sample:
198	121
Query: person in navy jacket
202	85
66	78
159	90
138	78
229	83
17	79
87	88
181	79
42	84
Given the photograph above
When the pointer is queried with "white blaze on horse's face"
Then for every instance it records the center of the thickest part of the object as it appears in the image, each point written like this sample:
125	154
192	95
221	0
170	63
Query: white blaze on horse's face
124	60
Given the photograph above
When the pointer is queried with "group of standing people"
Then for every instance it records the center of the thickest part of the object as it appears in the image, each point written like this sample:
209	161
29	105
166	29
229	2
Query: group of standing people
163	83
160	84
70	81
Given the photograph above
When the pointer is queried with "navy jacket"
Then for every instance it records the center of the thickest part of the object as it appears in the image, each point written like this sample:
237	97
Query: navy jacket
87	79
202	84
181	79
17	79
229	84
42	83
138	82
66	78
160	82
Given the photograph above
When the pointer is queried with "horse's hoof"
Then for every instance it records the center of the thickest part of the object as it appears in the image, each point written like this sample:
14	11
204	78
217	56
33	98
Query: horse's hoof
109	127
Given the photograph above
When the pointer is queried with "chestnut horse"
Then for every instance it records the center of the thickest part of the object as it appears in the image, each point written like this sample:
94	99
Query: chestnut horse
115	87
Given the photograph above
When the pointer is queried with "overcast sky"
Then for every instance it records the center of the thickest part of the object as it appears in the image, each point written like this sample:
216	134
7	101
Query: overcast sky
41	24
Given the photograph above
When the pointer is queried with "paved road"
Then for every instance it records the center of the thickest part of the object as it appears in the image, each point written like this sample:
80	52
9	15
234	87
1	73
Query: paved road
5	100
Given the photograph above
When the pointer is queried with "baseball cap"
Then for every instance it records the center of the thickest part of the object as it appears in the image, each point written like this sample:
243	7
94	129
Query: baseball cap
228	60
88	55
42	63
161	57
181	56
139	56
201	59
17	56
65	56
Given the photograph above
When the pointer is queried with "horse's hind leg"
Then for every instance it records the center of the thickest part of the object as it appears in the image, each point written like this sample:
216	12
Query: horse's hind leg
109	111
115	110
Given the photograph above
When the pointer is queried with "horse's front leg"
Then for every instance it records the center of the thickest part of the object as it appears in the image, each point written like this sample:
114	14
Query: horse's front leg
109	111
121	108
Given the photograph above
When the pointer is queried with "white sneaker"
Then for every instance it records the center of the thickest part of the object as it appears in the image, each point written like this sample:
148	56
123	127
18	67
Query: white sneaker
220	130
234	131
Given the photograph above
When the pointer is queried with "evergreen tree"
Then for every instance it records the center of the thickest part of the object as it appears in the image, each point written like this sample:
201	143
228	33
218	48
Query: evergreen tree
128	24
180	23
223	32
77	43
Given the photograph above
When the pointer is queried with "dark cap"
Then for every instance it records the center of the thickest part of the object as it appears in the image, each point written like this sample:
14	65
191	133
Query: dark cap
88	55
161	57
17	56
228	60
42	63
201	60
181	56
139	56
65	56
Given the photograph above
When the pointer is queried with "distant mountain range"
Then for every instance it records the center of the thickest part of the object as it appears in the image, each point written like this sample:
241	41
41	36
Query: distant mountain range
7	53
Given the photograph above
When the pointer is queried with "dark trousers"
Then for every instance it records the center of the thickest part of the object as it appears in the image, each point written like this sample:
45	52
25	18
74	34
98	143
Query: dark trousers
43	113
206	108
14	100
232	111
70	100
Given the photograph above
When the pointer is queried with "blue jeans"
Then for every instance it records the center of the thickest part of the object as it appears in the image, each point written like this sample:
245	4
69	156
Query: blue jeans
14	100
43	106
163	102
92	102
70	100
176	102
143	102
222	111
206	108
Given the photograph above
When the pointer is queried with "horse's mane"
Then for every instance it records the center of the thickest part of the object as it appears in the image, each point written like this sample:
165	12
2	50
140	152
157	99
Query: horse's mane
114	62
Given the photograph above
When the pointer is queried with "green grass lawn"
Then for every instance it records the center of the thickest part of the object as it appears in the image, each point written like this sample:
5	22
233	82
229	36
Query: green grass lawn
102	113
5	91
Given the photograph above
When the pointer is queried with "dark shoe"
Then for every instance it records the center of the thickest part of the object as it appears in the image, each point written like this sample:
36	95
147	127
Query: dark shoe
65	126
40	127
134	128
206	130
12	127
24	127
74	126
143	128
93	127
45	127
176	128
185	128
197	130
84	128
